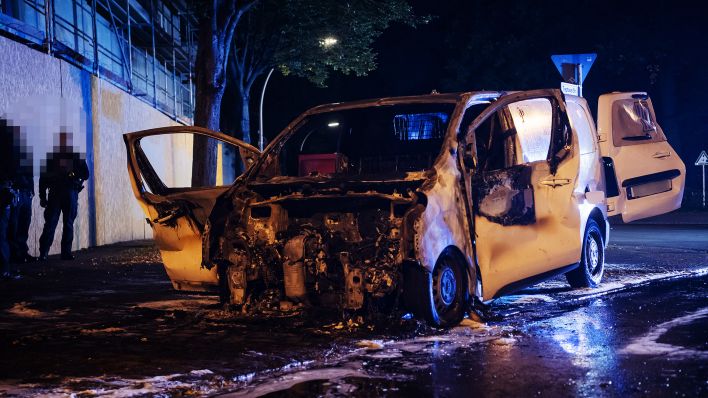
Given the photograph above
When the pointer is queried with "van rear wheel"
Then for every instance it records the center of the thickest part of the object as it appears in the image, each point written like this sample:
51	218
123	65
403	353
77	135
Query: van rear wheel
592	259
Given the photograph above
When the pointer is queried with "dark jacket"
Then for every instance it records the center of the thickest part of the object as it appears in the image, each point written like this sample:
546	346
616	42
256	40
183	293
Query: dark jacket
15	162
7	165
7	153
64	171
23	180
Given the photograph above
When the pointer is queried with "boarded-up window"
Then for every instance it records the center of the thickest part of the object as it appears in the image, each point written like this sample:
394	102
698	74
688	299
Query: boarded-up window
634	122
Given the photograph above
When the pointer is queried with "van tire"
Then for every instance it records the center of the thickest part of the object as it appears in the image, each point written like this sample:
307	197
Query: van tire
592	259
447	293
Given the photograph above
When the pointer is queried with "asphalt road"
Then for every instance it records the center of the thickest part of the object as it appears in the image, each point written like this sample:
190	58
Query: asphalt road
666	236
110	325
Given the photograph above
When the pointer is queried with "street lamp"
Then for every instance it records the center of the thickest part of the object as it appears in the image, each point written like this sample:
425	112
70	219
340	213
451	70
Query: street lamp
326	42
260	127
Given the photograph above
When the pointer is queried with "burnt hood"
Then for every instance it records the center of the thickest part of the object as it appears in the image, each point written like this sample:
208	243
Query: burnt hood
281	186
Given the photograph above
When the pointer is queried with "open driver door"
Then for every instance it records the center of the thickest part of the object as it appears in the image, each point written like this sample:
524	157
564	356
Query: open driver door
160	170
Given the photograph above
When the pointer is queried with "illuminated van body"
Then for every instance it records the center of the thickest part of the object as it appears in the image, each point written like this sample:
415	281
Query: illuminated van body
437	200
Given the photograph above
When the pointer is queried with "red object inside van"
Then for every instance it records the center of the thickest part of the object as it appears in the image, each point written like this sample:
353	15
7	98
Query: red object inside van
321	163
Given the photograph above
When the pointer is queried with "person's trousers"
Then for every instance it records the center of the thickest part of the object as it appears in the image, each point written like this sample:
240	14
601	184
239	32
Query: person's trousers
64	202
18	230
4	245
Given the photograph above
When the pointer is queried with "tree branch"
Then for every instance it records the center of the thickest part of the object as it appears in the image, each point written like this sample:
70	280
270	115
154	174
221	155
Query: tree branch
213	15
231	27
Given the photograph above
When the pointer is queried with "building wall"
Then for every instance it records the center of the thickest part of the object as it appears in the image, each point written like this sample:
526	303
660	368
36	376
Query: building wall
44	95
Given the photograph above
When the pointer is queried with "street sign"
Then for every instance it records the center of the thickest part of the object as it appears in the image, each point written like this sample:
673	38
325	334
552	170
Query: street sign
583	61
703	162
574	68
570	89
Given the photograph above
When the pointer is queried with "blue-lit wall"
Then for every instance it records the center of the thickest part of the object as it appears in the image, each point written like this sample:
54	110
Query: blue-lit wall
41	93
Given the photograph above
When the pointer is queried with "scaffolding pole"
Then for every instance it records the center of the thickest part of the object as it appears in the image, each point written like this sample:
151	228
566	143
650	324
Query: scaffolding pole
130	48
95	38
121	41
174	70
189	62
48	21
154	53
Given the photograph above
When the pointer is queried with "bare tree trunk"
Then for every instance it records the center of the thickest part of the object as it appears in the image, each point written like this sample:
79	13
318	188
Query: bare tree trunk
216	31
206	114
245	117
207	110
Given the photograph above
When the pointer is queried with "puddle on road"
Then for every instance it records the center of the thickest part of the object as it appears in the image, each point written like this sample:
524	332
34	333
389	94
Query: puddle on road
353	359
363	359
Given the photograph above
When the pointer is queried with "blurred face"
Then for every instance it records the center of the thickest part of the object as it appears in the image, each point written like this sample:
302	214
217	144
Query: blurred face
65	141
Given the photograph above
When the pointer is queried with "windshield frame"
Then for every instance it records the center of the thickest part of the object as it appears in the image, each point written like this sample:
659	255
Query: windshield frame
273	149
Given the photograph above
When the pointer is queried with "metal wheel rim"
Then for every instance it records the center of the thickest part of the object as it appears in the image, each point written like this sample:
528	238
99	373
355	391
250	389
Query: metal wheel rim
448	286
592	254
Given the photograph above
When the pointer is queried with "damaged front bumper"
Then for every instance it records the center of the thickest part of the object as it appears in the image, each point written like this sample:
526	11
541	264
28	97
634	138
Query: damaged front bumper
334	247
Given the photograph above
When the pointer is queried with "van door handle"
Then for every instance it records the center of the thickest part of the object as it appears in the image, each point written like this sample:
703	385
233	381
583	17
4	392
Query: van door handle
660	155
555	182
168	217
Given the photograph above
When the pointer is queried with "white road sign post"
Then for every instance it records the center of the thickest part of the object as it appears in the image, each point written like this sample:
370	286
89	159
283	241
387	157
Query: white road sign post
703	162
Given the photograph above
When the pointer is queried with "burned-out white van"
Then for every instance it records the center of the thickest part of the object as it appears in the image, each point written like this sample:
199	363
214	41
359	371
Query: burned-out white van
437	200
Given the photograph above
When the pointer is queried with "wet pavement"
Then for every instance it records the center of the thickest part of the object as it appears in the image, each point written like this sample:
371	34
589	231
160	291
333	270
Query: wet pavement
110	325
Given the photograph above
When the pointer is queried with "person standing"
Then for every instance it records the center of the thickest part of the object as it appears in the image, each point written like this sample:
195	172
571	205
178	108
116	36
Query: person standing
63	177
6	199
7	194
21	213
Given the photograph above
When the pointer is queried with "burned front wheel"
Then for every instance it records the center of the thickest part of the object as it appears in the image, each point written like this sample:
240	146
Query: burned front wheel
592	259
441	296
449	294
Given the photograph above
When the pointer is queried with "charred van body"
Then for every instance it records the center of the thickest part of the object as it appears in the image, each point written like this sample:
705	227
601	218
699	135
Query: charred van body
336	220
430	201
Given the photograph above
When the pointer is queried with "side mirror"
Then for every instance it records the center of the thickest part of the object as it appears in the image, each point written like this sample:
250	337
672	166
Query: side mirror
469	158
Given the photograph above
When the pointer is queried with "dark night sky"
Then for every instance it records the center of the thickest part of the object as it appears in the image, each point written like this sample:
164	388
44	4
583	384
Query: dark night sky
659	47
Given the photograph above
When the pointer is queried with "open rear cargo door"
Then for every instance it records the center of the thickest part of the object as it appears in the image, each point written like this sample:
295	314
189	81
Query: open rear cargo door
644	176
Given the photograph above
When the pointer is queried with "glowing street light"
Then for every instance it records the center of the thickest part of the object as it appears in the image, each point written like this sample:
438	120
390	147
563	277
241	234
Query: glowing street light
329	41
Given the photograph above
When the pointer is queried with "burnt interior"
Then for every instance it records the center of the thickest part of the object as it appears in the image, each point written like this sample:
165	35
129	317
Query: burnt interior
372	142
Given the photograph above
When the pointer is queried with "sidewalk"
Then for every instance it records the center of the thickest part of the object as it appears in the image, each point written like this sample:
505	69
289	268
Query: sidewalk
133	266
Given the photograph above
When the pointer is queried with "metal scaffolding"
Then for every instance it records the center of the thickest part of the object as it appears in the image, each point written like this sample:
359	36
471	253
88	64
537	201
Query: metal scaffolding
146	47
